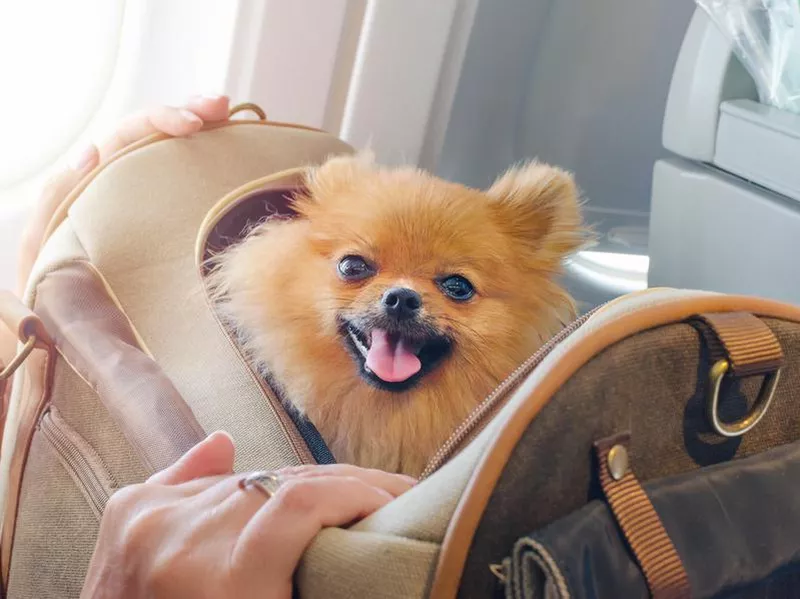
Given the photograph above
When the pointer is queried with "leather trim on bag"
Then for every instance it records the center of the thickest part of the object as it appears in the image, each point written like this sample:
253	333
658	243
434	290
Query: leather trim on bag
61	212
113	297
37	383
289	179
657	557
21	320
467	516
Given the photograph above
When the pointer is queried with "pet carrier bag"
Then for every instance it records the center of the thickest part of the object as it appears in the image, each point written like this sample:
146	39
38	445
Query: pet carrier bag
650	449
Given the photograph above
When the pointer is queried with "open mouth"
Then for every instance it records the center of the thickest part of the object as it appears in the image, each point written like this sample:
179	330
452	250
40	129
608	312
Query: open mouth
392	360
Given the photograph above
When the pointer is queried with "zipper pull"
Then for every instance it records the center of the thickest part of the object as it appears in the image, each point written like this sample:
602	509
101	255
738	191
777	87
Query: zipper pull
500	571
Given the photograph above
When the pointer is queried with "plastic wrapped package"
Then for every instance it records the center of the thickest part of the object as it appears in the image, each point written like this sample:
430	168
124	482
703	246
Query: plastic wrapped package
766	39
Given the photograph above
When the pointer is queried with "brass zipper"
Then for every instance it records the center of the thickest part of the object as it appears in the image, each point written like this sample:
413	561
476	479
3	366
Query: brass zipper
479	417
80	460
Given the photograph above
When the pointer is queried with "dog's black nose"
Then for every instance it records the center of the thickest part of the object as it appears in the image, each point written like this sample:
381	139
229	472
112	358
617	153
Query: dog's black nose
401	303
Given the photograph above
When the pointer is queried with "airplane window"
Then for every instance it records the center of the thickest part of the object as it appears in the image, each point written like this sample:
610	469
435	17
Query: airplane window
54	74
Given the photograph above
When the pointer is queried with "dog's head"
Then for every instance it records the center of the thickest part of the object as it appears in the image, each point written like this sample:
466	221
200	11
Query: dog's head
420	270
392	282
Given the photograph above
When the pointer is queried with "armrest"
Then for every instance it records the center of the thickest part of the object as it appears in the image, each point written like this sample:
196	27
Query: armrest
706	74
761	144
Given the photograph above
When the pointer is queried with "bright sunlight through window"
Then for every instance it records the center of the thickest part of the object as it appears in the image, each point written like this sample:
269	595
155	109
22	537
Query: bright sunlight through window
623	273
56	62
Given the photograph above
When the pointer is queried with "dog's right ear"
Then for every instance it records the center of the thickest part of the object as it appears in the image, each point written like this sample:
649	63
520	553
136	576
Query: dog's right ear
337	174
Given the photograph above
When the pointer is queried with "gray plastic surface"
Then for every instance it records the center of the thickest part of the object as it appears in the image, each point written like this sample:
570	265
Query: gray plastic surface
761	144
578	83
710	230
705	75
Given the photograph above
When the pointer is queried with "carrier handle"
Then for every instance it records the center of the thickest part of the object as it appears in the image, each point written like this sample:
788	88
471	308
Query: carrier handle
248	106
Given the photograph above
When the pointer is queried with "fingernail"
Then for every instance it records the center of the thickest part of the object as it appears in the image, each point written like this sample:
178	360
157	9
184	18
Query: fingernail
212	97
220	434
190	116
82	159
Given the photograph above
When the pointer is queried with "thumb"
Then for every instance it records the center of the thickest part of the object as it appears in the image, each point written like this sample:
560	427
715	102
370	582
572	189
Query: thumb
213	456
59	186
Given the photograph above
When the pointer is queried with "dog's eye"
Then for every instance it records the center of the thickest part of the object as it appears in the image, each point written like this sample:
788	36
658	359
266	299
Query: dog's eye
355	268
457	287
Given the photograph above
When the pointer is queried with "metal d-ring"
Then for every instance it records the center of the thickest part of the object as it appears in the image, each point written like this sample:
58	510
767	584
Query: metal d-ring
740	427
27	348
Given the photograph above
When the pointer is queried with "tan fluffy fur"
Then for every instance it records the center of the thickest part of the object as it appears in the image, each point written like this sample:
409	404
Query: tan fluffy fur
280	288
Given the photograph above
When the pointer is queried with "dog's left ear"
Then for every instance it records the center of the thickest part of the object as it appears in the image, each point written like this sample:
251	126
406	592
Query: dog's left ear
339	172
329	180
539	206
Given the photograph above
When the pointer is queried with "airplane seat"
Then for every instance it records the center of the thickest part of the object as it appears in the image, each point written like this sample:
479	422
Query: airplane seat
725	212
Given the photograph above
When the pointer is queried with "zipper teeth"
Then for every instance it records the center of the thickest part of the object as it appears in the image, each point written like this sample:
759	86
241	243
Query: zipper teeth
297	443
476	417
72	454
292	435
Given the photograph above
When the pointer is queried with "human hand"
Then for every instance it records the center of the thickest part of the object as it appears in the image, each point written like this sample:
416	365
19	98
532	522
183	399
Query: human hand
179	122
191	531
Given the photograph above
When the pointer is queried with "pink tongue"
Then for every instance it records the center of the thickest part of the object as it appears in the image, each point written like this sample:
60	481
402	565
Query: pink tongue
389	361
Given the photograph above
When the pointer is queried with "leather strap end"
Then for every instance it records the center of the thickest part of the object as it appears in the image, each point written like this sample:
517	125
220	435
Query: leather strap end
22	321
743	339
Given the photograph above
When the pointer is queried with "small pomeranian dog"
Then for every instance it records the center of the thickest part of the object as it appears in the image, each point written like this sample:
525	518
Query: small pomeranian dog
397	301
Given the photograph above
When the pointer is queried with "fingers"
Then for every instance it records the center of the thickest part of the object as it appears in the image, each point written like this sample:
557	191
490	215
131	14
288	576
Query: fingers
274	540
162	119
178	122
394	484
211	457
225	491
210	108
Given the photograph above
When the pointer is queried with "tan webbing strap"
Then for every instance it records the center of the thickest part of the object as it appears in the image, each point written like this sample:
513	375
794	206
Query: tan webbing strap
36	380
748	344
636	516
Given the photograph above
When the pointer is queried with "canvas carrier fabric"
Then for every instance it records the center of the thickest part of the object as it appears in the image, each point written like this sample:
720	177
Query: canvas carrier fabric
650	449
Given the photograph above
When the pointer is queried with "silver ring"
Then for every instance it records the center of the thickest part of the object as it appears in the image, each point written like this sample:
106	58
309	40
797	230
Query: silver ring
266	481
